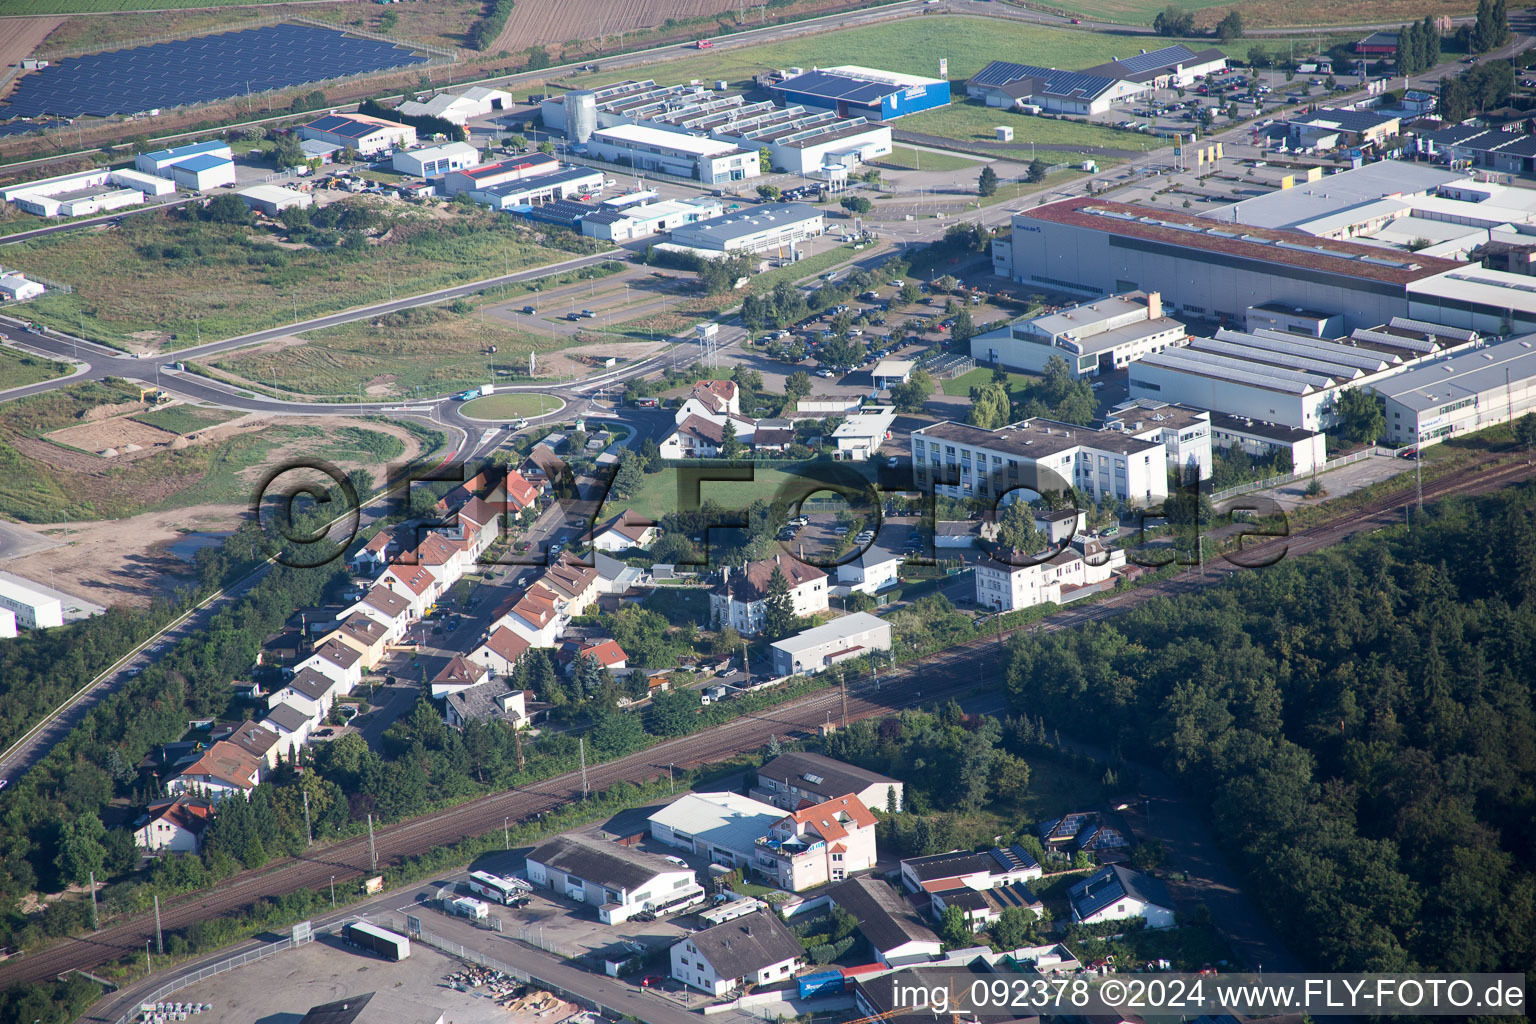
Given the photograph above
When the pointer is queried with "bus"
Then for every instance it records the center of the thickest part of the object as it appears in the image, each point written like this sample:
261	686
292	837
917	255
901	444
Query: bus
496	888
382	941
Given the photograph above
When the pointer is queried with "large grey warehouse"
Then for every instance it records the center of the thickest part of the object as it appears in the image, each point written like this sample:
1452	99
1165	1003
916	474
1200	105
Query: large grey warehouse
1466	392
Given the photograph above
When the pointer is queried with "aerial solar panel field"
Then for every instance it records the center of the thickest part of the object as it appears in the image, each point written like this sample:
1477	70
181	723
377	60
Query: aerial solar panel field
201	70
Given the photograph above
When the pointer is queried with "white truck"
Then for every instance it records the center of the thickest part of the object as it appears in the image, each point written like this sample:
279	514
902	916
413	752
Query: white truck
479	392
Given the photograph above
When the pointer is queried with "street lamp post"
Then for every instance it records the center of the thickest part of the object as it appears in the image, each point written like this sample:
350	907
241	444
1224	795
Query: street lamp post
506	834
333	892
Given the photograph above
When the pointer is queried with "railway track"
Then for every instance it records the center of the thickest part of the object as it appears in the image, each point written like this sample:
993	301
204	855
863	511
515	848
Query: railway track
951	673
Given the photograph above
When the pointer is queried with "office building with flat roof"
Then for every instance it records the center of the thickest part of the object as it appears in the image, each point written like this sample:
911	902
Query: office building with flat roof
1464	392
1092	337
752	229
645	148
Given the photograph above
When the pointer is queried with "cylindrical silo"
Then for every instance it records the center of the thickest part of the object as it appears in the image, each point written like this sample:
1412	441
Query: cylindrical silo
580	115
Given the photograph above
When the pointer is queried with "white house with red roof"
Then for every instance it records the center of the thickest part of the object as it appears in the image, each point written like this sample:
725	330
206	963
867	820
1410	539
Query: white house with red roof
533	615
516	492
607	652
415	583
501	652
822	843
446	559
459	674
712	399
173	826
374	555
575	585
628	529
479	524
224	769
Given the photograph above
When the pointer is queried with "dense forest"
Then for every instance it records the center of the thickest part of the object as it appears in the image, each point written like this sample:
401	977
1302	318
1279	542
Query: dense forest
1359	724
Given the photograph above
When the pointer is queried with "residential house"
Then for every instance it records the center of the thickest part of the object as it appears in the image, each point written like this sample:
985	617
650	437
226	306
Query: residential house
291	724
487	702
223	769
310	691
574	585
963	869
872	570
544	469
799	778
414	583
175	825
740	599
446	559
385	607
340	661
753	950
982	907
476	525
607	653
364	634
626	530
501	652
711	398
254	740
698	437
773	435
475	486
823	843
1117	894
895	934
1094	832
516	492
533	615
619	881
458	675
374	555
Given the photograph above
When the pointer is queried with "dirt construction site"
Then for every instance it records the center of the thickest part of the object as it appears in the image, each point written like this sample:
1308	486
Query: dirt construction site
283	987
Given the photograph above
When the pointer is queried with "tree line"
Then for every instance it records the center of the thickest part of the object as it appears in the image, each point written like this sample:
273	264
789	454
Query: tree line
1359	725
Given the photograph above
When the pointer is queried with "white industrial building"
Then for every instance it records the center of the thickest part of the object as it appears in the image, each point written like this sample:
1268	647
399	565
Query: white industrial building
32	608
274	199
85	193
752	229
654	150
1306	449
7	623
861	433
962	461
483	176
812	650
203	172
148	184
1097	336
539	189
618	881
15	287
1277	377
625	223
365	135
797	140
1211	270
1184	433
1464	392
435	161
724	827
459	108
160	162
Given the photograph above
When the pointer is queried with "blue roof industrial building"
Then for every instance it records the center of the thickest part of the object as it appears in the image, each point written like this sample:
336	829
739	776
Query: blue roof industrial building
855	91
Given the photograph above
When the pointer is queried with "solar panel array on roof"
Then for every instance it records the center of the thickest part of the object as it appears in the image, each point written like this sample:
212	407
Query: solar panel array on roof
838	87
1054	82
1176	54
1425	327
1382	338
199	70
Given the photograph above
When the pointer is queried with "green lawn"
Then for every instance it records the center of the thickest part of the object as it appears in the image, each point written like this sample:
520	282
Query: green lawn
909	45
961	386
185	419
161	281
908	159
510	406
974	121
18	369
659	494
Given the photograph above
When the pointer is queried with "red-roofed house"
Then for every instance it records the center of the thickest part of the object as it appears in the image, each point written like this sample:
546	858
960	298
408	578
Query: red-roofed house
415	583
626	530
711	399
574	585
222	770
385	607
818	844
459	674
173	826
375	554
518	492
477	484
479	524
367	636
607	652
501	652
446	559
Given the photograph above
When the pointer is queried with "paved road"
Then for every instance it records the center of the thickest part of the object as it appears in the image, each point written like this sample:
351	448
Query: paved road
90	222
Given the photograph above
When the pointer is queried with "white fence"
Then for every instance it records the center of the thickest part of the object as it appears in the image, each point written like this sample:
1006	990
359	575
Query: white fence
1285	478
203	974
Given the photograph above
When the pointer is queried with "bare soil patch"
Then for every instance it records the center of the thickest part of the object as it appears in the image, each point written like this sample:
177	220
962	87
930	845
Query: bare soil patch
119	437
19	37
569	361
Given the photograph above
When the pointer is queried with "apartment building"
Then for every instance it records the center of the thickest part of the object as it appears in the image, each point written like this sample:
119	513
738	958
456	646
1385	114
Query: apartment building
823	843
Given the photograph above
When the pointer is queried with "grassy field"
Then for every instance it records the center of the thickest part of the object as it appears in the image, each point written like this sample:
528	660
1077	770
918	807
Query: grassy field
961	386
185	419
510	406
906	158
909	45
974	121
18	369
161	281
659	495
40	481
